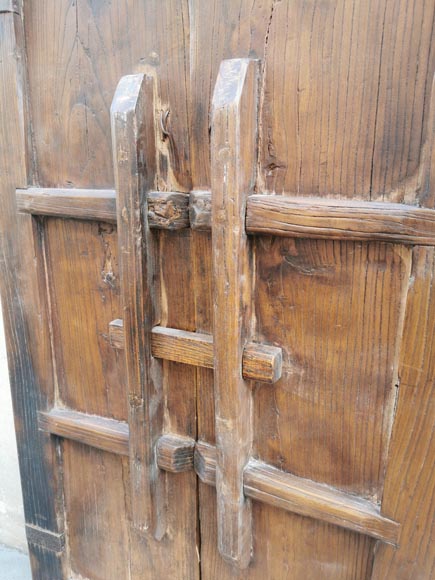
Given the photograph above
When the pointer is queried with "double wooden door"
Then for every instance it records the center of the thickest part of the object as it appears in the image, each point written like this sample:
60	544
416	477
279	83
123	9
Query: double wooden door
220	305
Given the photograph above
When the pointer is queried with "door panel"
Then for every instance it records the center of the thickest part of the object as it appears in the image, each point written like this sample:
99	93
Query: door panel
335	308
345	436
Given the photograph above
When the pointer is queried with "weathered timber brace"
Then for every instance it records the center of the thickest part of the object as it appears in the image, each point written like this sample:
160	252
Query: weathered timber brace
303	217
261	482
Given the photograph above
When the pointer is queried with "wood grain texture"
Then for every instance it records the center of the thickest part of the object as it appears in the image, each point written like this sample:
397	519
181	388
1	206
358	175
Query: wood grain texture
168	210
116	334
200	210
340	220
260	362
175	453
305	497
233	150
25	308
96	506
337	308
99	432
409	491
83	283
88	204
134	158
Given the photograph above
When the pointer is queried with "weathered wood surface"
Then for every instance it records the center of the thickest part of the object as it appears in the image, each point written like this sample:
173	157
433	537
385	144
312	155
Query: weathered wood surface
90	204
409	491
260	362
99	432
133	157
25	308
345	111
233	158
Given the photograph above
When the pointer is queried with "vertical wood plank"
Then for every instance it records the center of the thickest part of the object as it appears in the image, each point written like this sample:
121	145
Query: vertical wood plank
25	309
409	491
233	159
132	116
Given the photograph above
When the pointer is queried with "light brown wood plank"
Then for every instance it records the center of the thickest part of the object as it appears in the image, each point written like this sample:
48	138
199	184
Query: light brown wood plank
337	308
99	432
87	204
340	220
200	210
233	163
175	453
260	362
308	498
409	491
83	284
134	162
182	346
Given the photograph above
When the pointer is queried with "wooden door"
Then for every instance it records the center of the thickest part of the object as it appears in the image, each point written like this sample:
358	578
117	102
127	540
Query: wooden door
217	277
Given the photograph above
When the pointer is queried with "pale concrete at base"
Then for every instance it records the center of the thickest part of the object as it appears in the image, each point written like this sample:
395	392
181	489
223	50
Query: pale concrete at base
14	565
11	504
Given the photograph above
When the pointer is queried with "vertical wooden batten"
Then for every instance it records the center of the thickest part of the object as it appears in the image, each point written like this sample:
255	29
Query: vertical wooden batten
132	118
233	161
24	303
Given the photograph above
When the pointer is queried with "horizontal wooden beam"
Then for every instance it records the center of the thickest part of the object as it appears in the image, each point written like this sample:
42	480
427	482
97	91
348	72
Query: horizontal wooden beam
334	219
100	432
261	482
260	362
265	483
279	215
85	204
269	485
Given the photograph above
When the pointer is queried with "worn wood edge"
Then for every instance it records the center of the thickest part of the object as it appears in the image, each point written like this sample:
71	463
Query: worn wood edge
175	453
261	362
200	210
204	461
99	432
269	485
310	217
340	219
116	334
46	539
261	482
168	210
87	204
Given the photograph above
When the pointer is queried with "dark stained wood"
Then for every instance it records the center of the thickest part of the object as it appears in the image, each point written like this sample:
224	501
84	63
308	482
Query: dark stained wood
175	453
262	363
88	204
233	159
340	220
168	211
25	309
99	432
133	157
45	539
